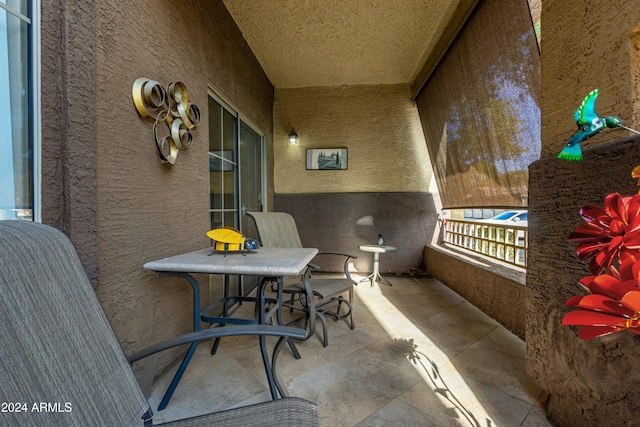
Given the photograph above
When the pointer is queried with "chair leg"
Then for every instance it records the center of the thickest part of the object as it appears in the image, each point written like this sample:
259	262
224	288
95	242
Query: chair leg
351	309
325	337
294	349
274	358
320	312
214	348
349	313
291	301
323	320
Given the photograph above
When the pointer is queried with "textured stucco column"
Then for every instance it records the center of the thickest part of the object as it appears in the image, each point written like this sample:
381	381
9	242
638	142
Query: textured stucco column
69	126
589	383
586	44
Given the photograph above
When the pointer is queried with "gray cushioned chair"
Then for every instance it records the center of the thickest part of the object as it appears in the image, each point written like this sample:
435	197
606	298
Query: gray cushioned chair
57	347
278	229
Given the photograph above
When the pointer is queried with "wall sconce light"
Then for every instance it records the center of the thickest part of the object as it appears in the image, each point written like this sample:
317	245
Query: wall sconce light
293	137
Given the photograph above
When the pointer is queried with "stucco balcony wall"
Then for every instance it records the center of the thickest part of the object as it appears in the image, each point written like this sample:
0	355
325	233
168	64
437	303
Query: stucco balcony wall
497	290
589	383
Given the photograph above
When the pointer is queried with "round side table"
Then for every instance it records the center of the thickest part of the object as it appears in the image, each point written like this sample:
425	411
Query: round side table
377	250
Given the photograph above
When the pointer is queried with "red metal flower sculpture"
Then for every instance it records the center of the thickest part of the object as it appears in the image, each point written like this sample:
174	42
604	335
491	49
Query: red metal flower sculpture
609	232
612	306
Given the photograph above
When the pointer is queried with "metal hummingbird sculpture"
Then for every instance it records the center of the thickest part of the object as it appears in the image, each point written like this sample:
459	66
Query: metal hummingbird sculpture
589	124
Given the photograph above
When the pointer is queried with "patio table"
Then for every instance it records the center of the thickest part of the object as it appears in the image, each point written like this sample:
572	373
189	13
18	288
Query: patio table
270	263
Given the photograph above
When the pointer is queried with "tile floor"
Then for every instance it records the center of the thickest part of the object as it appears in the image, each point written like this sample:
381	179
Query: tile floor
420	355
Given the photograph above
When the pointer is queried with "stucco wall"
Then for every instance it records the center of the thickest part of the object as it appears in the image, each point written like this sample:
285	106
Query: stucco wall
379	125
585	45
588	45
341	222
589	383
143	209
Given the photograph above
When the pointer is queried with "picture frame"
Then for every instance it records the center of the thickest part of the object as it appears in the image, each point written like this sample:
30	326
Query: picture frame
221	161
327	158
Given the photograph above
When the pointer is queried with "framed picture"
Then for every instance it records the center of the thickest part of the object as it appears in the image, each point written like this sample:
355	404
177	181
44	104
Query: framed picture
220	161
326	158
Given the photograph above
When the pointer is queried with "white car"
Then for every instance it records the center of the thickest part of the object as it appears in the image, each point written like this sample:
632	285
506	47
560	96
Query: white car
519	218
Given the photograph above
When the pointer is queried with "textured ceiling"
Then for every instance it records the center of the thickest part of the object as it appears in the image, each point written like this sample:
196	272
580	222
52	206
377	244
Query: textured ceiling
306	43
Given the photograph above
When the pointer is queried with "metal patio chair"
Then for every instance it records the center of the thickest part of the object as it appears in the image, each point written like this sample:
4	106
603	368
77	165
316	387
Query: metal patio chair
278	229
57	347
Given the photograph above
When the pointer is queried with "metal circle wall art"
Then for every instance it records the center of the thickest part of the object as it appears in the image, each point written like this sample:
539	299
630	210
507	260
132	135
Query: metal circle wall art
170	105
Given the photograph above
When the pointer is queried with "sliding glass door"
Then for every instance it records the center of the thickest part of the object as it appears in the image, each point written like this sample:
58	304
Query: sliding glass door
236	179
251	176
223	166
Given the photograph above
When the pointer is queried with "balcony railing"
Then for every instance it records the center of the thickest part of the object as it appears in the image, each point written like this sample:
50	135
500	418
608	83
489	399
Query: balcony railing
505	242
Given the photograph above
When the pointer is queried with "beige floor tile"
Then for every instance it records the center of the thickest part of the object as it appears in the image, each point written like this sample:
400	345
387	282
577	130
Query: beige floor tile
501	339
340	344
463	321
497	369
287	366
385	365
344	398
398	414
369	323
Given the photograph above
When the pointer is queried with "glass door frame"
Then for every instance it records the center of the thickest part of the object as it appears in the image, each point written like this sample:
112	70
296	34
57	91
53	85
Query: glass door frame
31	16
215	283
227	105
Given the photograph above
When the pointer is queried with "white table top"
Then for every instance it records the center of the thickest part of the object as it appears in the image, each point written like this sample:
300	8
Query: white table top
377	248
259	262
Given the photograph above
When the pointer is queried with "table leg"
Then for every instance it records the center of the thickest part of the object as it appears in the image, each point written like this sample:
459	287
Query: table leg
376	270
375	276
225	310
376	266
382	279
193	346
292	345
274	359
178	376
